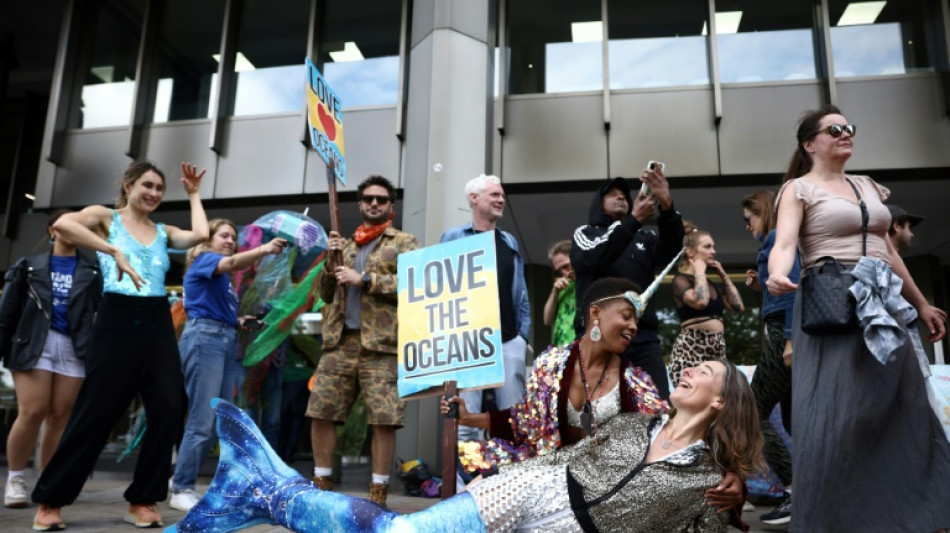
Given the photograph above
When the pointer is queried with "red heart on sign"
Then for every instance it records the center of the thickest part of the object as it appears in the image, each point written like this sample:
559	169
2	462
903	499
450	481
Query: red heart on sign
329	125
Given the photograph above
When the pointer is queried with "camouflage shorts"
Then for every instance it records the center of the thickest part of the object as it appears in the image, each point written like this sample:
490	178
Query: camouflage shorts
348	369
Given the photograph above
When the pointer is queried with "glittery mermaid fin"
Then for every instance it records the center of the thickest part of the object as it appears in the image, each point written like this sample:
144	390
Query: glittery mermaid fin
250	477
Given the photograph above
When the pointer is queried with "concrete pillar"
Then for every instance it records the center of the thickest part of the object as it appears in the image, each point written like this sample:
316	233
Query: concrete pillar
447	144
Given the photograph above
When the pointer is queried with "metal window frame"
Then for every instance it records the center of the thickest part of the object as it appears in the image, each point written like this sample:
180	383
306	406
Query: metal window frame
223	103
143	98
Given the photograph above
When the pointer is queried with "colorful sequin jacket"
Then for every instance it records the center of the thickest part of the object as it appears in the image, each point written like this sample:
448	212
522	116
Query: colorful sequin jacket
377	299
531	428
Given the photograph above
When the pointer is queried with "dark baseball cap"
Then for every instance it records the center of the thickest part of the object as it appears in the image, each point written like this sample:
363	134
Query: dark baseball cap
898	212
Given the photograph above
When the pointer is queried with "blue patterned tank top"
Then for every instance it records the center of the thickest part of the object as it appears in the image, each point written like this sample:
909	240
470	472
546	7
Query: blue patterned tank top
151	262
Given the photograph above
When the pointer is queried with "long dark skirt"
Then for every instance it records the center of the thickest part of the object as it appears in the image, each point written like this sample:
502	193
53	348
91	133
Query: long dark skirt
869	454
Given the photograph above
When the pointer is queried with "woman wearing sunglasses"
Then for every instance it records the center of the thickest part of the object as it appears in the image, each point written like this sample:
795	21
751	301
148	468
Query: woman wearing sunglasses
636	473
700	304
772	381
574	389
869	453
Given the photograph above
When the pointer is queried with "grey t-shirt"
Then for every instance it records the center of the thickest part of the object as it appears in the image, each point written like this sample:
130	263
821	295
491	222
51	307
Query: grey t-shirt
352	318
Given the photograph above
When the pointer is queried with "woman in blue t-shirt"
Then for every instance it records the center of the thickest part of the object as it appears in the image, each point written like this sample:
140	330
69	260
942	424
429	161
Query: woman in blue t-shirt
207	345
46	316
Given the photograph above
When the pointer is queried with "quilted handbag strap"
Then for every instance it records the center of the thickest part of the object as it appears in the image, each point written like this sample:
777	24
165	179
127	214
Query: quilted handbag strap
865	217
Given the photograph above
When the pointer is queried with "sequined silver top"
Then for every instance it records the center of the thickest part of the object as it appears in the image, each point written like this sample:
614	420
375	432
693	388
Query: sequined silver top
666	495
605	407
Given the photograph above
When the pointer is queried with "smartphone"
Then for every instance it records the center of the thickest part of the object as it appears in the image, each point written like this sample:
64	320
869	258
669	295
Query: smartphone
645	189
254	324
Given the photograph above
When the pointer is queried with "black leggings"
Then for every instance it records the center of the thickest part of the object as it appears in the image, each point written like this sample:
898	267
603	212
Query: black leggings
771	385
132	351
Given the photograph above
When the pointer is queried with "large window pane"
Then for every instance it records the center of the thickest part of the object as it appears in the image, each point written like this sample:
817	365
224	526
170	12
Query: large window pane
108	52
271	47
765	41
555	46
187	65
657	44
360	51
879	38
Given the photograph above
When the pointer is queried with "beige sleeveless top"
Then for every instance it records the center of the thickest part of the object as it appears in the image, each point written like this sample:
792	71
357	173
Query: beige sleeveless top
832	224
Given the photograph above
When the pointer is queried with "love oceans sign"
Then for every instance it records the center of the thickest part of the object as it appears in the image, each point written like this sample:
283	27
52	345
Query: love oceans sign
449	321
325	121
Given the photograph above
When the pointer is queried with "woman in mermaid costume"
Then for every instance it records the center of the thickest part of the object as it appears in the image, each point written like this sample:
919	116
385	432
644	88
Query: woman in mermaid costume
635	473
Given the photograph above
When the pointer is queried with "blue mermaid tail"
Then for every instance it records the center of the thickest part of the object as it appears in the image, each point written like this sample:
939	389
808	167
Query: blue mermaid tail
253	486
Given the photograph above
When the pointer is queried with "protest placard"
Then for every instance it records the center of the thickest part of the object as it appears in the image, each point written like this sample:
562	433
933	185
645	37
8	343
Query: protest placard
449	321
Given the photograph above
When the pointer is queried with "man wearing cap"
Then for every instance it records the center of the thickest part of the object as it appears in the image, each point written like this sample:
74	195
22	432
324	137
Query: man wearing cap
900	232
614	244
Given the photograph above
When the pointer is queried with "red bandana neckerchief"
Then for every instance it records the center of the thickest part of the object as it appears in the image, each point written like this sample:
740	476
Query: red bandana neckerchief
365	234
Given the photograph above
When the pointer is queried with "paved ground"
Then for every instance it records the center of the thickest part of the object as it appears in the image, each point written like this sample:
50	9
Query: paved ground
100	507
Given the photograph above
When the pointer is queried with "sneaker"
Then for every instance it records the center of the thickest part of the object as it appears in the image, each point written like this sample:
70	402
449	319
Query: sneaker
378	493
16	494
48	519
323	483
184	500
781	514
747	507
143	515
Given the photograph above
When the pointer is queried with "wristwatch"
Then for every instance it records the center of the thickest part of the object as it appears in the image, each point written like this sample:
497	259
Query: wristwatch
367	279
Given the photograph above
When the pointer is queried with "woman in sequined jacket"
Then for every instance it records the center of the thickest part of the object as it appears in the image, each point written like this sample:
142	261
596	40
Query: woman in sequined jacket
568	381
635	473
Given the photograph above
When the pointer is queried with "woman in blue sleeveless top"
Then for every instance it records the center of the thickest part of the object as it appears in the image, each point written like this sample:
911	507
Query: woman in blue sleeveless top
132	349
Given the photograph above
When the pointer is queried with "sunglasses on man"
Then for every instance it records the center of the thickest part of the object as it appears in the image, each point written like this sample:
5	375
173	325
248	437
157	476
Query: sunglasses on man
835	130
381	200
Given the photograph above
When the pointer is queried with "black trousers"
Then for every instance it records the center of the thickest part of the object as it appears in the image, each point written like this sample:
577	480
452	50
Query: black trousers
771	385
649	357
132	351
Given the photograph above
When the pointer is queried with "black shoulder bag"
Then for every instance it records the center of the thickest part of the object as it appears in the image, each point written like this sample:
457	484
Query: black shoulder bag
827	305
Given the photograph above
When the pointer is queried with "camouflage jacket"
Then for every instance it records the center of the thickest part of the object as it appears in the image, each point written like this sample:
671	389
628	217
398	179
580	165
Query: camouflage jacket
377	300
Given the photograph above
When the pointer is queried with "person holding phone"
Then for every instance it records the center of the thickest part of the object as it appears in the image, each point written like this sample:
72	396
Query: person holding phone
207	346
615	243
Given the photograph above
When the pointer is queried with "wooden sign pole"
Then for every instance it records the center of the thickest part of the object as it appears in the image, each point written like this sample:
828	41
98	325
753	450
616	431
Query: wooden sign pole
450	448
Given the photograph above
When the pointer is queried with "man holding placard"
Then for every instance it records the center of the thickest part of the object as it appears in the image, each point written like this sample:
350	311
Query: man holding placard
487	199
359	336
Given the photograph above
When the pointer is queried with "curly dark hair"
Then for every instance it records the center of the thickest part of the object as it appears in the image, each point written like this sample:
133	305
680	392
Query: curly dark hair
380	181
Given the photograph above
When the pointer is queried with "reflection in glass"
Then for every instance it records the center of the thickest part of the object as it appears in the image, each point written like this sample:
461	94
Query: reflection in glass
270	68
360	51
107	56
767	43
657	44
186	59
881	38
555	46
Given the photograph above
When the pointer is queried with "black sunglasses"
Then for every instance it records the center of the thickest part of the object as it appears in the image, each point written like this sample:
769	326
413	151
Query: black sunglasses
835	130
381	200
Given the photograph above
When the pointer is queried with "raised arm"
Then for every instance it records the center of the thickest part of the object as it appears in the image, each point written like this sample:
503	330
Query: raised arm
177	237
88	229
791	211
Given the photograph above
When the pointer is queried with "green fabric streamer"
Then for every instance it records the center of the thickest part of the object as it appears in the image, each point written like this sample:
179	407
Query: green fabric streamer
280	320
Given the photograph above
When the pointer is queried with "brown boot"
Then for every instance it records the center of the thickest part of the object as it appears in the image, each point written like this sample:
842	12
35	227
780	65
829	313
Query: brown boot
378	493
323	483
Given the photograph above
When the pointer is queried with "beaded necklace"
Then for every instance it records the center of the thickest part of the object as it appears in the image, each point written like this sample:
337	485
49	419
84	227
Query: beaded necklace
587	413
